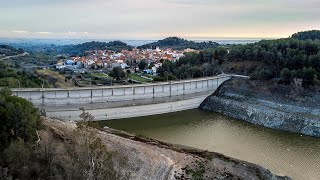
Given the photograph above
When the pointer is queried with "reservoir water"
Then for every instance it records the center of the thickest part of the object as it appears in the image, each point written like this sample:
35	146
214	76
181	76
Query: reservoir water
281	152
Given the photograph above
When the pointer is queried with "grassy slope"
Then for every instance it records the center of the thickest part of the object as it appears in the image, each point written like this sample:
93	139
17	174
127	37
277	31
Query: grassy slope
54	76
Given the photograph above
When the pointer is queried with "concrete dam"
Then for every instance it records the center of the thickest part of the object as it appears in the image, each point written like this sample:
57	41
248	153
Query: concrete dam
116	102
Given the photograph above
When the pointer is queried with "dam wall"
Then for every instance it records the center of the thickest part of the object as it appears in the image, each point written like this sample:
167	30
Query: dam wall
65	103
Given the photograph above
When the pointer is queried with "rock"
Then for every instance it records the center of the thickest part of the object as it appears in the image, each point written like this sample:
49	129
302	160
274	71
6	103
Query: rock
244	100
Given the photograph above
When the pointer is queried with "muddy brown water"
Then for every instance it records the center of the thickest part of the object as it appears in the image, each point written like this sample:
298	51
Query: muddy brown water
283	153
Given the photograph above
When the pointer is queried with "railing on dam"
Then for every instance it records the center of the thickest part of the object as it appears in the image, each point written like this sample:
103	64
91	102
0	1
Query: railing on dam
95	95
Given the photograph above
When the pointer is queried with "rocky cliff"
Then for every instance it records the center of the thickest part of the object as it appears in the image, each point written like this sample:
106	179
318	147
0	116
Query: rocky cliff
268	104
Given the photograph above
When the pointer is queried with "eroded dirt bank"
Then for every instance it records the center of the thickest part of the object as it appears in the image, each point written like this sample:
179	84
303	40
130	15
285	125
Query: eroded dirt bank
151	159
269	104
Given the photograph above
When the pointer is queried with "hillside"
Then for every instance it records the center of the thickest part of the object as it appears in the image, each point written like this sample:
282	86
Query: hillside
151	159
13	78
179	43
286	59
6	50
268	104
313	35
94	45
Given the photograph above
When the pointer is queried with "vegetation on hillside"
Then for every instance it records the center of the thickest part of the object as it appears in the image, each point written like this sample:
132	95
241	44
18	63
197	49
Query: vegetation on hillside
284	59
300	57
80	49
10	51
53	79
19	119
31	150
287	59
13	78
193	65
19	58
35	59
313	35
179	44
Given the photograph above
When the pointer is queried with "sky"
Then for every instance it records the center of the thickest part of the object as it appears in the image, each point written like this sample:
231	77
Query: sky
156	19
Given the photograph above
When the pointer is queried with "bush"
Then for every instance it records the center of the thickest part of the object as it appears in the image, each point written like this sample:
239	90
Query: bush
19	119
117	73
171	77
158	78
308	76
17	156
286	75
264	74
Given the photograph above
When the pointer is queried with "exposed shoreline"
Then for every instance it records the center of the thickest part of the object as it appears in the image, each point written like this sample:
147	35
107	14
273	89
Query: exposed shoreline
152	159
262	103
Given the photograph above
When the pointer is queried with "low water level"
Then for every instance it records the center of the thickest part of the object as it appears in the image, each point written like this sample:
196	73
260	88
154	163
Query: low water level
282	152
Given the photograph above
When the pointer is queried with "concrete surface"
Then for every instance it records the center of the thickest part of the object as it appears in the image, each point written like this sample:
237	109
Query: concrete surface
118	101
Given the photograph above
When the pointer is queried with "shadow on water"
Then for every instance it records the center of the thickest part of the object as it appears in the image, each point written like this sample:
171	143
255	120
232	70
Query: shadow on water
282	152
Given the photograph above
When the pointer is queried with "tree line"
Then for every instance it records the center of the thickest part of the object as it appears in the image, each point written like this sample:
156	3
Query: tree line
179	44
285	59
80	49
75	154
193	65
14	78
300	57
9	50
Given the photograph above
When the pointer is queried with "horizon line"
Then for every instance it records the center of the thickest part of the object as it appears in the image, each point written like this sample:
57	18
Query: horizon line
144	39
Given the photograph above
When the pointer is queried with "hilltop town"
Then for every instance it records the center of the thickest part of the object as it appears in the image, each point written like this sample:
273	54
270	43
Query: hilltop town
140	65
103	64
99	59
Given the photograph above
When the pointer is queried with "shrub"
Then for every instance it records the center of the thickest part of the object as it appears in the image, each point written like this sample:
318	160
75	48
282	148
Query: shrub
286	75
308	76
19	119
264	74
158	78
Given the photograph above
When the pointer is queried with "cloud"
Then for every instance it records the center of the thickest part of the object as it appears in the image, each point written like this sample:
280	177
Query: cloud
154	18
47	33
20	31
215	2
30	3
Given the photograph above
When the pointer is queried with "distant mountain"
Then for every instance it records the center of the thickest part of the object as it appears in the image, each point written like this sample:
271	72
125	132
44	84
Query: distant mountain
179	43
9	50
313	35
94	45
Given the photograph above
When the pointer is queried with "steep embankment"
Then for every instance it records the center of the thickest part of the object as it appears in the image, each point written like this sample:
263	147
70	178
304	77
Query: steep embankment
151	159
268	104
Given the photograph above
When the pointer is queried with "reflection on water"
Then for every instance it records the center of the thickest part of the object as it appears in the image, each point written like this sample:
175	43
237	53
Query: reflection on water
282	152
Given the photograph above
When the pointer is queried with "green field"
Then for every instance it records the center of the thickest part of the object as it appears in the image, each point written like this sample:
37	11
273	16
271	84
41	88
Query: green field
138	78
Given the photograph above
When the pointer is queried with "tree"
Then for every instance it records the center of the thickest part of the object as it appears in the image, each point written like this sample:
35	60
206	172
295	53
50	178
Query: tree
201	57
142	65
19	119
117	73
309	74
263	74
286	75
151	65
161	71
91	158
17	156
314	34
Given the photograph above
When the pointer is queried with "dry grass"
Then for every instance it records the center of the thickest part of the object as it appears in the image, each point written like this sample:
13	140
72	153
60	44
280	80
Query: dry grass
55	79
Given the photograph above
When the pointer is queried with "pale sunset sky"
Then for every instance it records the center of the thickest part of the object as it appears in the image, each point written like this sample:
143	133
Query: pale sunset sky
156	19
